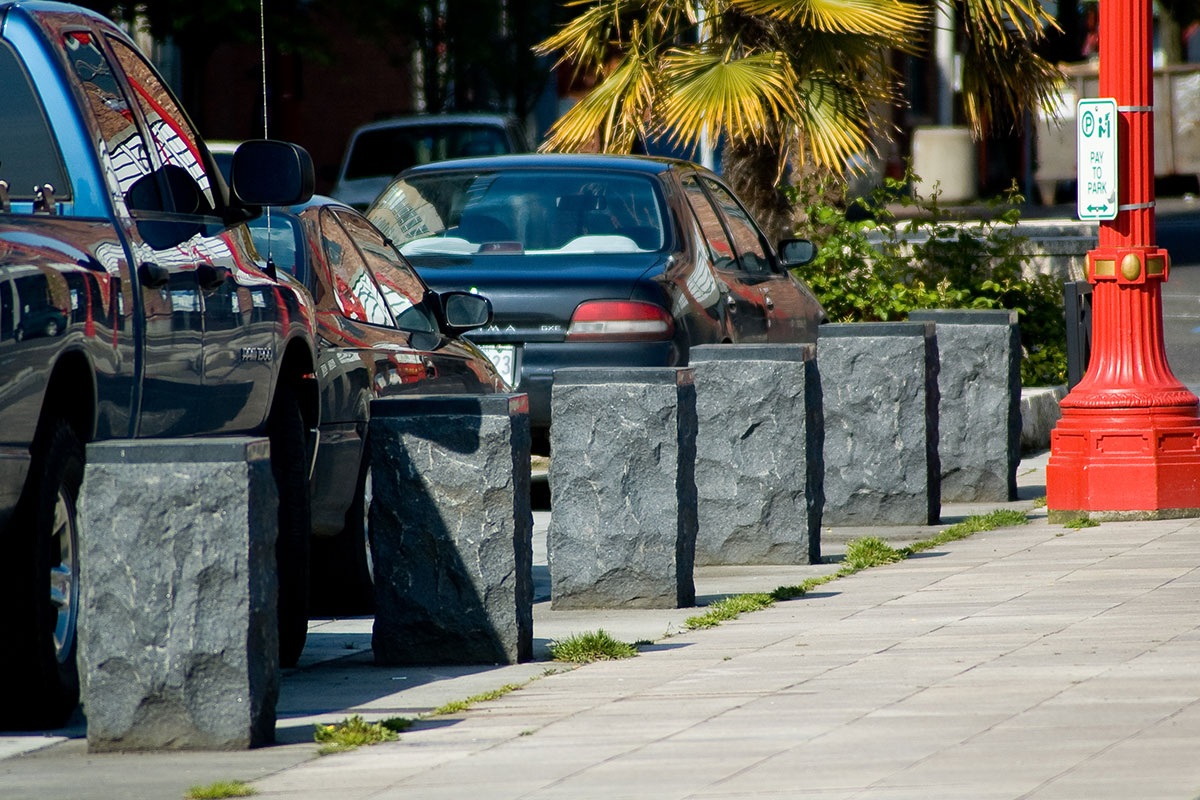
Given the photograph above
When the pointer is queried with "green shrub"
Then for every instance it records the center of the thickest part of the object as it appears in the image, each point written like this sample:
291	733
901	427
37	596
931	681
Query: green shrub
879	268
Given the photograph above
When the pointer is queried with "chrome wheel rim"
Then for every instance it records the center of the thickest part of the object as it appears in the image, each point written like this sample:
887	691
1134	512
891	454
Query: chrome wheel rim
64	576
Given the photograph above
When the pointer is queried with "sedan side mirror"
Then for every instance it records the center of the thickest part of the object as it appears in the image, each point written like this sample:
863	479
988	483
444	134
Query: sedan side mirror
266	172
464	311
796	252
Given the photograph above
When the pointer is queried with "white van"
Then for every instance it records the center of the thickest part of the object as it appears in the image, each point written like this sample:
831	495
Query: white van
378	151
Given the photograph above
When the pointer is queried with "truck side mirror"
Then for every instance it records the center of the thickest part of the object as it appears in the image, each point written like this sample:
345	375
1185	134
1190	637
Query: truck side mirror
796	252
266	172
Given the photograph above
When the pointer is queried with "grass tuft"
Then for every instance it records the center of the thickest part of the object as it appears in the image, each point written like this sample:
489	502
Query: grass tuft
584	648
802	588
214	791
455	706
1000	518
1080	522
355	732
729	608
868	551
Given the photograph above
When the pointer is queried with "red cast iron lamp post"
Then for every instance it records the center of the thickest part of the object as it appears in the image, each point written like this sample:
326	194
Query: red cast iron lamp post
1128	443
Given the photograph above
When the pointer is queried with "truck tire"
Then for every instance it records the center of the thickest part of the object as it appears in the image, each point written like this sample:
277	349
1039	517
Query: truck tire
289	455
40	675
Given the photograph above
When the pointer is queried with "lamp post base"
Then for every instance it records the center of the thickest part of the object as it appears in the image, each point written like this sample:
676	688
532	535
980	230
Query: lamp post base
1131	463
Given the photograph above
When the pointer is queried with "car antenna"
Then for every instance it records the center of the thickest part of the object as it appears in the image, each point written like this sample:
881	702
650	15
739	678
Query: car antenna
262	42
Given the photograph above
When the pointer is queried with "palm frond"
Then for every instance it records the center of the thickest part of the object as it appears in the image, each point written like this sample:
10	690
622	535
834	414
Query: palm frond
833	122
709	91
586	38
612	115
879	17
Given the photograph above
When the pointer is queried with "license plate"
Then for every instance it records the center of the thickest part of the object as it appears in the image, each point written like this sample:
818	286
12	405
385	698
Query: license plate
504	357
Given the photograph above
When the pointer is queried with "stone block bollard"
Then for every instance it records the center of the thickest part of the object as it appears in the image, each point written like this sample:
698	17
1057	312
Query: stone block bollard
979	414
880	397
622	486
178	639
759	469
451	530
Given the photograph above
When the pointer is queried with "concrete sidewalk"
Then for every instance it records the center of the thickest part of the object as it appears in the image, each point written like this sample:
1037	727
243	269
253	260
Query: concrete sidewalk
1035	661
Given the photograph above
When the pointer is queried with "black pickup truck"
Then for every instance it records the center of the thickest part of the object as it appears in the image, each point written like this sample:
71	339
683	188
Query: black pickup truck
132	304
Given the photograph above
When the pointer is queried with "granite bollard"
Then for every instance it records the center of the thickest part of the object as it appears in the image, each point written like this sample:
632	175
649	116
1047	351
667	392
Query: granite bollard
451	529
759	470
178	639
979	411
880	398
622	486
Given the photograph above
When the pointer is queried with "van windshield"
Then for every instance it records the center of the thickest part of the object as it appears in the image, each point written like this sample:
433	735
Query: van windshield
533	212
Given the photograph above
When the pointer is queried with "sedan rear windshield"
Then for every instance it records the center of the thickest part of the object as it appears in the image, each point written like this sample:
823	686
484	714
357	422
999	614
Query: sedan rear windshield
534	212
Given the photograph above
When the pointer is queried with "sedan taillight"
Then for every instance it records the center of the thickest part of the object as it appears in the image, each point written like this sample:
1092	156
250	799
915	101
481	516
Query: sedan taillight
619	321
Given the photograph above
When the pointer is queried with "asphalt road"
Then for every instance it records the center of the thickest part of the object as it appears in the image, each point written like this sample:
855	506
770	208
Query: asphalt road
1178	231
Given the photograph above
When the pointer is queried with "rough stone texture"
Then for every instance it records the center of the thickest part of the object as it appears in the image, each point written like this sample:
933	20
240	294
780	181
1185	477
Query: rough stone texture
178	642
622	485
880	399
451	530
979	413
1040	412
759	469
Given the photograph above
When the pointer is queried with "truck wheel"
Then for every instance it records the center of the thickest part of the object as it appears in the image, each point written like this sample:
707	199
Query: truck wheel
289	454
40	676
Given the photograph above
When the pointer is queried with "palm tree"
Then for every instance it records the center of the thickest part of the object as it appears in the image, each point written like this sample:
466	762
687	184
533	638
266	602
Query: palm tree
804	83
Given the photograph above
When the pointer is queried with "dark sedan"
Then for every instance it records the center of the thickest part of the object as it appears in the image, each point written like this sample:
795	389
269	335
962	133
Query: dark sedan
596	261
381	333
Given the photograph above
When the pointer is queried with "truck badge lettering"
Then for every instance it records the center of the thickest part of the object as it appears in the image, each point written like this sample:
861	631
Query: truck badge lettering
257	353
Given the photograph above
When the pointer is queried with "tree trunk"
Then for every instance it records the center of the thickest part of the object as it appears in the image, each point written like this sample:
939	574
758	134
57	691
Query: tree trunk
750	169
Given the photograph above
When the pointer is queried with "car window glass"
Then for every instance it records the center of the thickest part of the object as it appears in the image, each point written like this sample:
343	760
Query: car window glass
126	149
402	289
175	143
28	153
518	211
719	249
747	240
278	238
357	294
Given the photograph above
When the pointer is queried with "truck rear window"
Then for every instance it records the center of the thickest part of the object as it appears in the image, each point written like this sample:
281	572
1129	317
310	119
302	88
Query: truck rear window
29	155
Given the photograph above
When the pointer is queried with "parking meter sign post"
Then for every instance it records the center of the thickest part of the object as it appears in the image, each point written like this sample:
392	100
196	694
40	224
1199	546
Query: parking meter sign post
1096	159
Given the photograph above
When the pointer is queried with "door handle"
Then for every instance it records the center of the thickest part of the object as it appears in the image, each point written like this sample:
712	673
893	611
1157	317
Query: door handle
152	276
211	277
770	303
430	368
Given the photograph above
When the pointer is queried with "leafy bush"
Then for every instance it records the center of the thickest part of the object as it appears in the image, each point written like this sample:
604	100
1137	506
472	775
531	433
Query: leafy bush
873	267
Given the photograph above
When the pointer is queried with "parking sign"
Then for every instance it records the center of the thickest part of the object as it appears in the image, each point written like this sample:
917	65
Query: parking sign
1096	159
